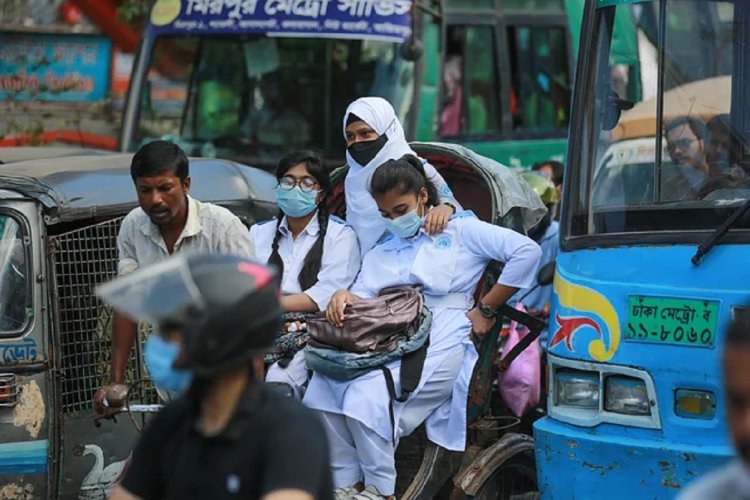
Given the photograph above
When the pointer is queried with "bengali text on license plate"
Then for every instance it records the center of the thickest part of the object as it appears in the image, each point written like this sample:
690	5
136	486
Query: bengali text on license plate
666	320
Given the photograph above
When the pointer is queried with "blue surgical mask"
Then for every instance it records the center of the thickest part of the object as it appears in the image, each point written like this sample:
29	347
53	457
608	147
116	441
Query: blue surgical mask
160	355
295	202
405	226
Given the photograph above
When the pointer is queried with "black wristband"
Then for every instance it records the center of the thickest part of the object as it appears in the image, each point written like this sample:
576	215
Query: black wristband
452	206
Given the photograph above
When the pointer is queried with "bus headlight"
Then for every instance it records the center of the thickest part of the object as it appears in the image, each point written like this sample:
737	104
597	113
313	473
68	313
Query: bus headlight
578	389
626	395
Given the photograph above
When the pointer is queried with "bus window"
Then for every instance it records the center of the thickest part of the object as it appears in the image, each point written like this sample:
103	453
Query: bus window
470	85
540	96
269	95
671	151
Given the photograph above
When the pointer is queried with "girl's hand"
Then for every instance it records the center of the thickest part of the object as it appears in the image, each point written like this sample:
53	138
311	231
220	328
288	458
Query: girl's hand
437	219
479	324
336	306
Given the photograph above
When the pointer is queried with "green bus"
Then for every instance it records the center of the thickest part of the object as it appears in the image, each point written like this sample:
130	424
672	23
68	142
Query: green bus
251	79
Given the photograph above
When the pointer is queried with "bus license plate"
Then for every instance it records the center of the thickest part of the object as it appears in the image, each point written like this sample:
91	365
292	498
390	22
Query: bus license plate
666	320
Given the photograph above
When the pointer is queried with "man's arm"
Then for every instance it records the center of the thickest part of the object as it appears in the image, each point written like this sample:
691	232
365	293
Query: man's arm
124	331
123	328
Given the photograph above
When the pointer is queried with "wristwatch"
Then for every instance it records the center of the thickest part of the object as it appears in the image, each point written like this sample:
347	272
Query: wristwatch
486	310
452	206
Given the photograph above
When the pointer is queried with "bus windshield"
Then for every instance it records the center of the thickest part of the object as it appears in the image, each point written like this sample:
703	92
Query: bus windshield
665	135
254	98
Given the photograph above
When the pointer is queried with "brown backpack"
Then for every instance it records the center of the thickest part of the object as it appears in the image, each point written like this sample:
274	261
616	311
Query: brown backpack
372	325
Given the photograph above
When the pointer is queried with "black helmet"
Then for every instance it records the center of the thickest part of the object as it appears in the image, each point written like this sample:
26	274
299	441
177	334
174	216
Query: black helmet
226	306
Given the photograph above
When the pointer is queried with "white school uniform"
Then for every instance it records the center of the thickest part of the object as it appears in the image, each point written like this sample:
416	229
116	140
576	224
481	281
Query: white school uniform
339	267
449	266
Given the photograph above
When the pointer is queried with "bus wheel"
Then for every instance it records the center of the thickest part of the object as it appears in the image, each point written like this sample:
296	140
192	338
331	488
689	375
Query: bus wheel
514	479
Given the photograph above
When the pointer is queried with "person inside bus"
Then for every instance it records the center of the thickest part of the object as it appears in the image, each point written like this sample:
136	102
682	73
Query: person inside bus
686	144
315	252
374	135
547	235
277	122
448	265
732	480
554	171
228	436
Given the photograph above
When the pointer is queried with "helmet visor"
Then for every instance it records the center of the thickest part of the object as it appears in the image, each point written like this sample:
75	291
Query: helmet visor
164	293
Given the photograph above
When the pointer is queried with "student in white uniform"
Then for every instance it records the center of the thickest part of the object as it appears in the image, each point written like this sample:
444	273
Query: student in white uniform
317	253
449	266
373	136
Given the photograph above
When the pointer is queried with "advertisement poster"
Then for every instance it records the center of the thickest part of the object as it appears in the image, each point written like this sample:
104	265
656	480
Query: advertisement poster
54	68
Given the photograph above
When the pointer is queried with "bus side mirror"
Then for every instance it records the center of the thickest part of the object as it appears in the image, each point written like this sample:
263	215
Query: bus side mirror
412	48
546	274
612	110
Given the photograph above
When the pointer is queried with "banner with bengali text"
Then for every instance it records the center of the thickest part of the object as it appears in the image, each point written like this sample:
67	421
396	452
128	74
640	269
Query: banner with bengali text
361	19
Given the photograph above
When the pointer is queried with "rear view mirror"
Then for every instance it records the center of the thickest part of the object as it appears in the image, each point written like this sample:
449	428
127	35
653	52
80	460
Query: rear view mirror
546	274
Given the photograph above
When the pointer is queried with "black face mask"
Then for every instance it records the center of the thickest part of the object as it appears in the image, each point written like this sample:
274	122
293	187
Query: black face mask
364	152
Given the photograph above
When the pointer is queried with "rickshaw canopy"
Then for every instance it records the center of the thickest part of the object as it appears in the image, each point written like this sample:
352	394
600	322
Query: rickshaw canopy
508	190
77	187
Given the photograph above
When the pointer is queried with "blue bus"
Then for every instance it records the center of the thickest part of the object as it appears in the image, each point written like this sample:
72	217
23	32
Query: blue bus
654	246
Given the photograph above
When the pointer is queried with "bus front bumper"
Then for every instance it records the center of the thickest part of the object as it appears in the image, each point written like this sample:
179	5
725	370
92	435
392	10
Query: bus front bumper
574	462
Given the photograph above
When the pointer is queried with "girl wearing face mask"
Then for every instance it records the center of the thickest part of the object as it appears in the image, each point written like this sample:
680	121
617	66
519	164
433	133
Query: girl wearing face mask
449	266
373	136
315	252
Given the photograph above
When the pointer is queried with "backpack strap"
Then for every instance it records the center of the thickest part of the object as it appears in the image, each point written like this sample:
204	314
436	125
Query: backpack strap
412	365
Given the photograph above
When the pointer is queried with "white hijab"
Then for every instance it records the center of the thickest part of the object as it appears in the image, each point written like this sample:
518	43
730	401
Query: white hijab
361	210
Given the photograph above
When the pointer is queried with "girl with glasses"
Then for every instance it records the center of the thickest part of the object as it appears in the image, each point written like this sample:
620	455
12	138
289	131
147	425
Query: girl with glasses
315	252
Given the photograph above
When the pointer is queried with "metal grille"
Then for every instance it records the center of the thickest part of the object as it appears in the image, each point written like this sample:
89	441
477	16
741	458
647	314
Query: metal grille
83	259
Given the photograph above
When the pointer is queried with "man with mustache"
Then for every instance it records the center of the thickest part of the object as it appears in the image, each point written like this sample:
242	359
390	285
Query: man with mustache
168	221
733	480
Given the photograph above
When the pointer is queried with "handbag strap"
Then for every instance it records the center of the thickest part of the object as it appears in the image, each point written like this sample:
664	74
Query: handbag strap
412	365
535	326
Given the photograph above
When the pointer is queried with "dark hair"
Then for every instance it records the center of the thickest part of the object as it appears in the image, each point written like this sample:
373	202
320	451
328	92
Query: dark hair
696	125
738	332
158	157
557	170
308	275
406	175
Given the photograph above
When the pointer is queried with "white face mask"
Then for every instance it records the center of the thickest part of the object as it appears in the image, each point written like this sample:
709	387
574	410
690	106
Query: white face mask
407	225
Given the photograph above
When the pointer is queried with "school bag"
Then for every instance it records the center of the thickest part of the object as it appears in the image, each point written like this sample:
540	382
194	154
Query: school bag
394	325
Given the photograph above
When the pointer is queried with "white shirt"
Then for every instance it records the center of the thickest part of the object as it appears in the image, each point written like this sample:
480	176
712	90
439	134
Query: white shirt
456	266
449	264
339	265
209	228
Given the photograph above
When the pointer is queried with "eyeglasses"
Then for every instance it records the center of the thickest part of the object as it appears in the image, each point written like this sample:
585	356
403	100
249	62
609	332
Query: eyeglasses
306	184
682	144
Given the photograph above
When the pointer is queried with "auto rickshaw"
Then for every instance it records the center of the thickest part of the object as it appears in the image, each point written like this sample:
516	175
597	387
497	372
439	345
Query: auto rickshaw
499	457
59	219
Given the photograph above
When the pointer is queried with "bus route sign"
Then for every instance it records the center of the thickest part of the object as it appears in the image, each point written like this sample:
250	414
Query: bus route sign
677	321
359	19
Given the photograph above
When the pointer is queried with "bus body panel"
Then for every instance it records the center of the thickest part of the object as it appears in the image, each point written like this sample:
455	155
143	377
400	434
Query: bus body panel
593	287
